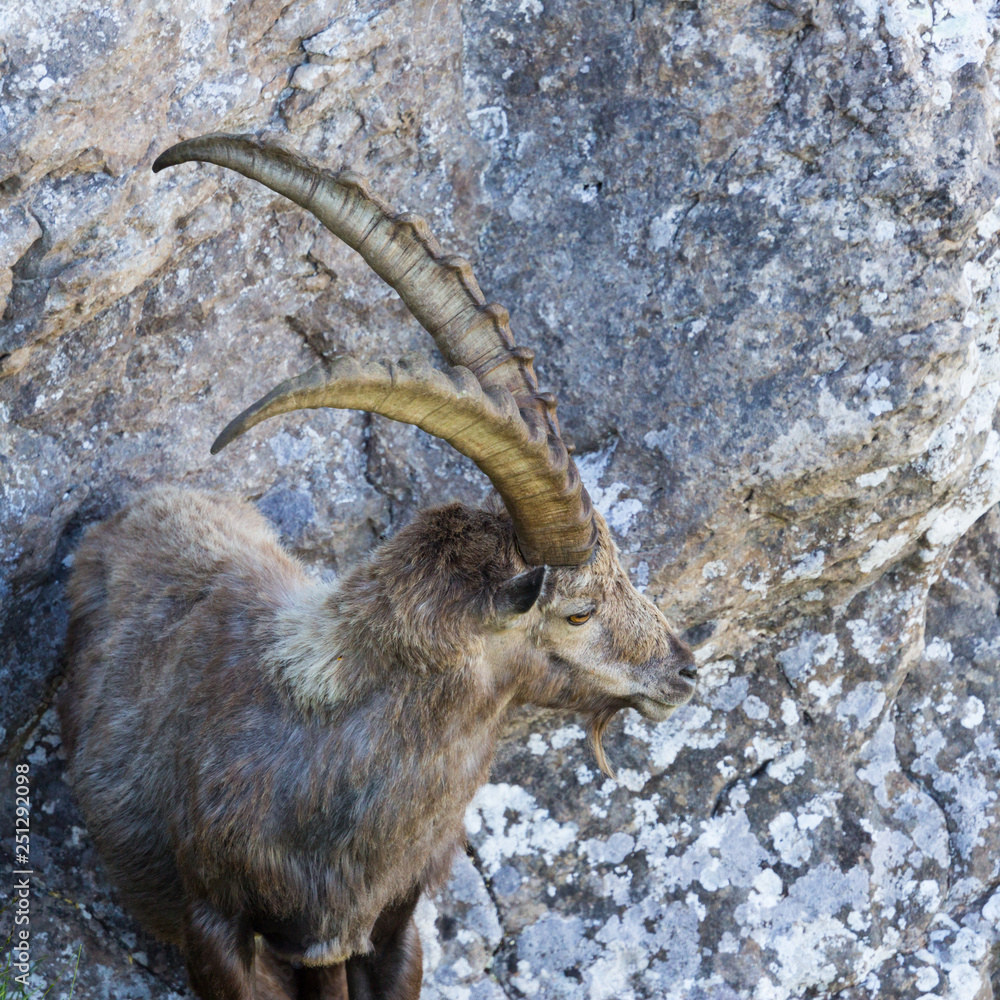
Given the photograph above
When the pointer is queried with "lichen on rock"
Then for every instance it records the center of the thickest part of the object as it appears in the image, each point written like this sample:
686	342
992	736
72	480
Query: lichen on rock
756	249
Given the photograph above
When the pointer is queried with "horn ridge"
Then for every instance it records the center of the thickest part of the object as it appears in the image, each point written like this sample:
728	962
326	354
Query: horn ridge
317	190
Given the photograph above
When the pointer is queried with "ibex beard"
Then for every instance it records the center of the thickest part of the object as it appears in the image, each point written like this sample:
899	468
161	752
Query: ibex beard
272	768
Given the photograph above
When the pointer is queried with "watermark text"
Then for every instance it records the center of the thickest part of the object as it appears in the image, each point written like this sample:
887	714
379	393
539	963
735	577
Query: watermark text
21	895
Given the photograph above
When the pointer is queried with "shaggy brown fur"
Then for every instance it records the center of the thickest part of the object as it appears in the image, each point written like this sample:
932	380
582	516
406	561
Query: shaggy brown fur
262	758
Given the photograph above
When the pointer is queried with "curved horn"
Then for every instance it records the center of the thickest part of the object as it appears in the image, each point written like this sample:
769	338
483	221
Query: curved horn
484	425
443	295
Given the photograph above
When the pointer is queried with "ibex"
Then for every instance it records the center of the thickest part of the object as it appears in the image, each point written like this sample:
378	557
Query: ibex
272	768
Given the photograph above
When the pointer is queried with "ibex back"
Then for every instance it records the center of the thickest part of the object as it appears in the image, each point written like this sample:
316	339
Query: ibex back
274	769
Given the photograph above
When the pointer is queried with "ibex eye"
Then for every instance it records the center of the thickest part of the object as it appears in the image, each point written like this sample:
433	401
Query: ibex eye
579	619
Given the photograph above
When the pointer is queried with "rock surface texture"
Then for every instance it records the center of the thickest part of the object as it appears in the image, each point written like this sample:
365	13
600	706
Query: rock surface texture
756	248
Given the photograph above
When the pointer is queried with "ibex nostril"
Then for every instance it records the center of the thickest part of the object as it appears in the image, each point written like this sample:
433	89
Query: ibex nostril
683	658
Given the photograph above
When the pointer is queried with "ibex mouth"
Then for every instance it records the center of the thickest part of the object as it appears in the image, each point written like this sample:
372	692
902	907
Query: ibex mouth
662	707
655	711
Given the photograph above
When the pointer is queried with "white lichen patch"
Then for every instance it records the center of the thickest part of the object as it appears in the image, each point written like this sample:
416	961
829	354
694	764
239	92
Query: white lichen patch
726	852
632	779
565	736
729	695
662	230
789	712
875	478
864	703
968	784
880	752
499	837
655	838
802	928
692	726
648	928
813	650
425	917
714	673
619	513
974	714
754	708
939	649
866	639
763	749
548	949
614	850
788	765
756	584
883	550
948	34
790	841
713	570
945	525
806	567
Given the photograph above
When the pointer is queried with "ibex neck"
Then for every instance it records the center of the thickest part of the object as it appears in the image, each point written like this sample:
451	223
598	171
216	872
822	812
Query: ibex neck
304	651
324	656
406	742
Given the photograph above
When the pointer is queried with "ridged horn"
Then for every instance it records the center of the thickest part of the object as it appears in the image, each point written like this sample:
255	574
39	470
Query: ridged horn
484	425
555	522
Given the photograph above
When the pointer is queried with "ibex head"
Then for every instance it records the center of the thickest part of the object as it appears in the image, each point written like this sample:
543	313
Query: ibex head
614	646
580	633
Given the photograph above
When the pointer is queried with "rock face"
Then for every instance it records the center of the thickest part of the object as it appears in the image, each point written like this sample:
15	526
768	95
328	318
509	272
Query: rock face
755	247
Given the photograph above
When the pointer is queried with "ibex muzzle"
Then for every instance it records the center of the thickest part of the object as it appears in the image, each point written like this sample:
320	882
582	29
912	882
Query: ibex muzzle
273	768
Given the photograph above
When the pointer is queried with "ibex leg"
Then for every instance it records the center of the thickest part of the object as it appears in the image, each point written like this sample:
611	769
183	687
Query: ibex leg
394	969
327	983
219	953
273	978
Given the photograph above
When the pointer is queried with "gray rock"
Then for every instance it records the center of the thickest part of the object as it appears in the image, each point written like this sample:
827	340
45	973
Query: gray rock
755	247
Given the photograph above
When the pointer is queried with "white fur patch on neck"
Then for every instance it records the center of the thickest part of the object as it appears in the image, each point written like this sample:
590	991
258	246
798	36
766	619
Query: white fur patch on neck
306	650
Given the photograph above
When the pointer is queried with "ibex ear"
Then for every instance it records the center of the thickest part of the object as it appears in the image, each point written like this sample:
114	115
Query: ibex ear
519	593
